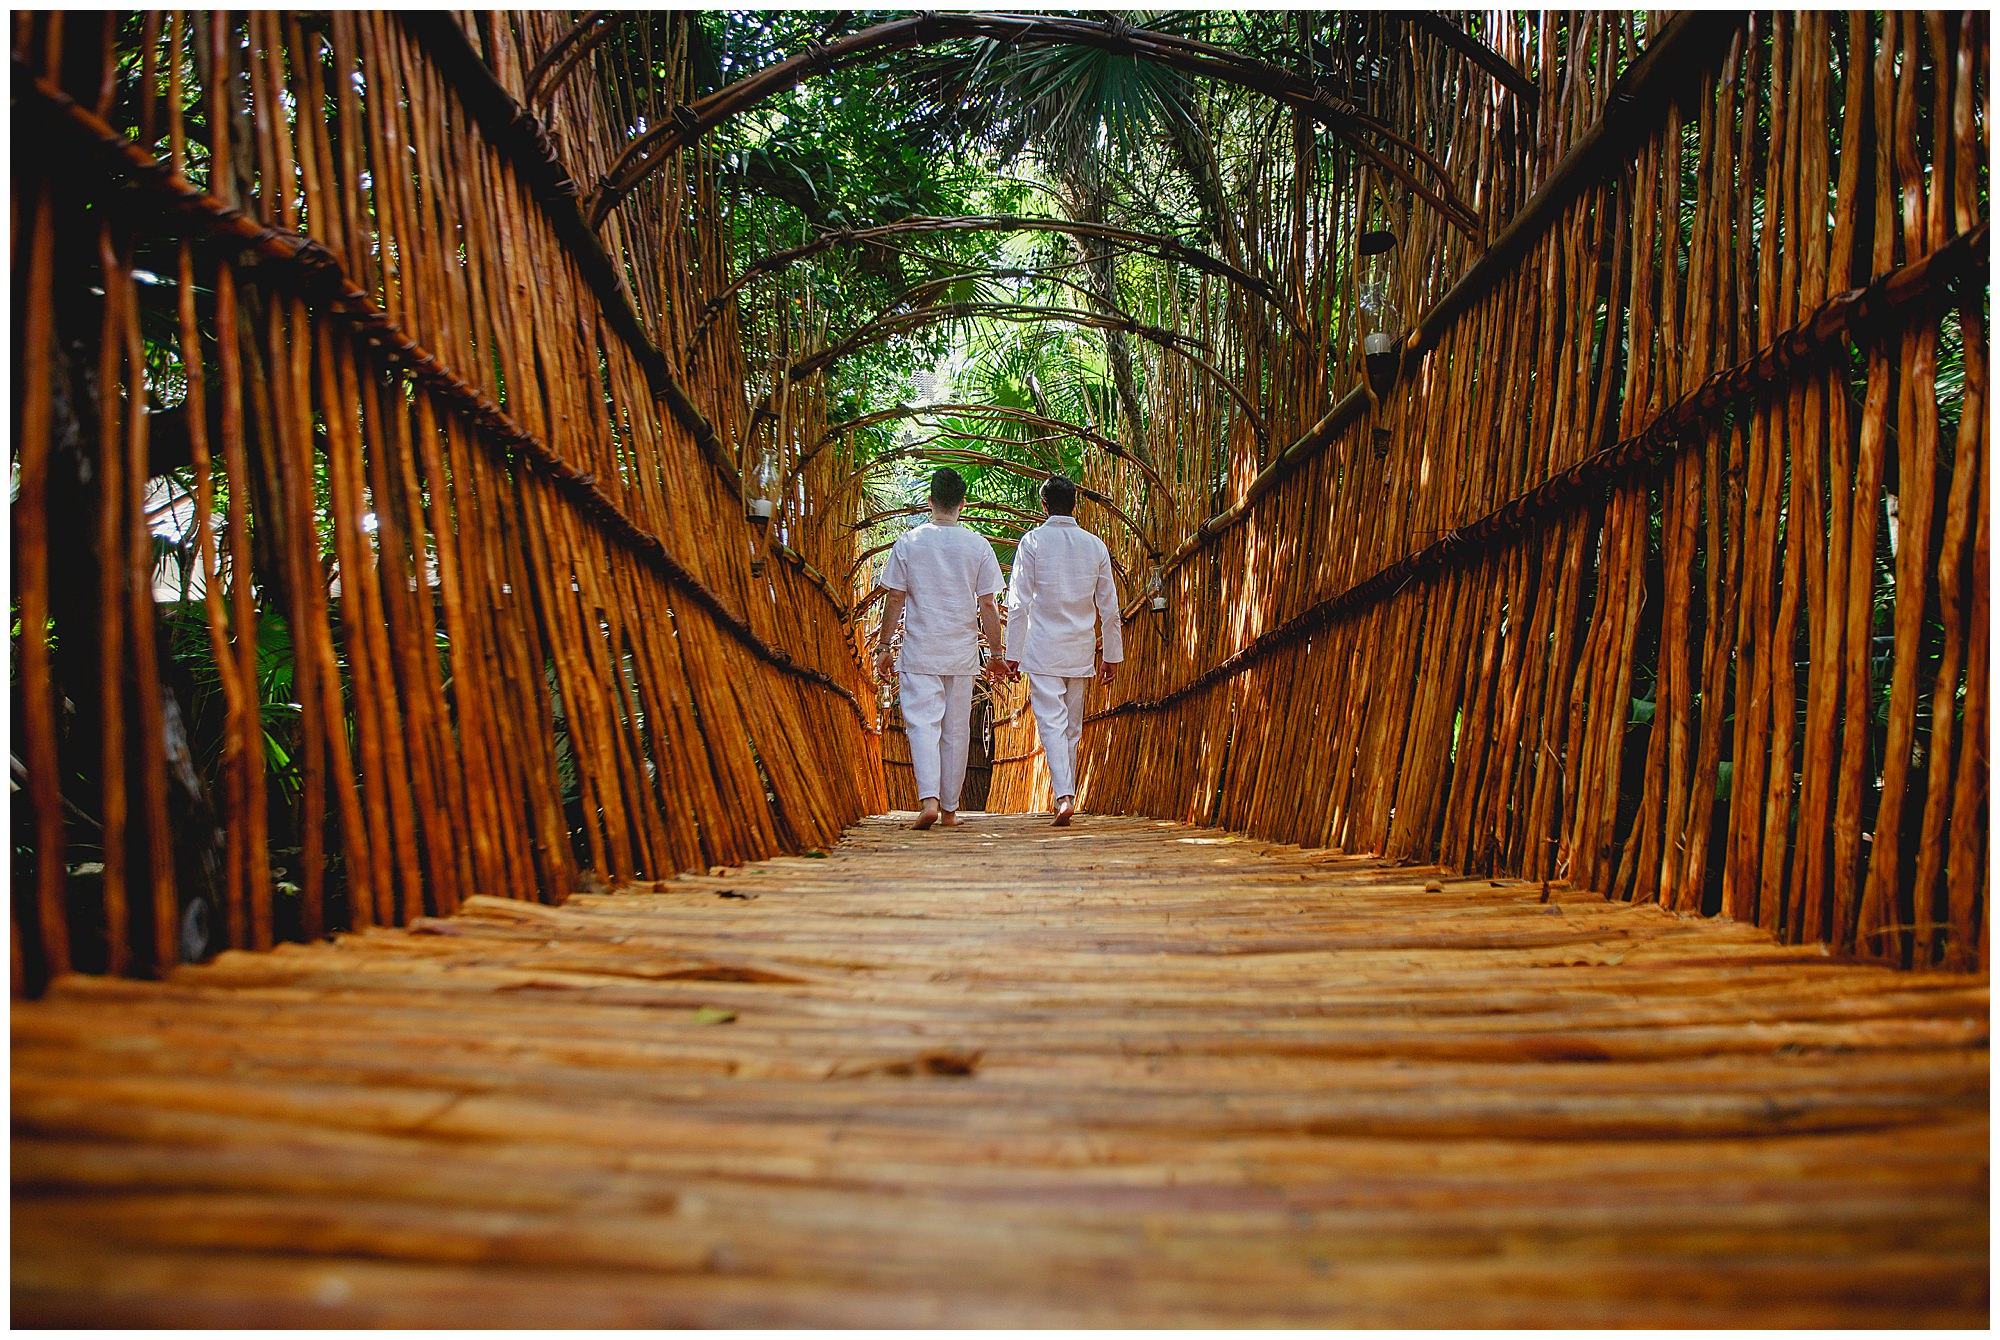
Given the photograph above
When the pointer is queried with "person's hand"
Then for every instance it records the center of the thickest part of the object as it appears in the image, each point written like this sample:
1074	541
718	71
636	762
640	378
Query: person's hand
1013	669
1107	671
885	663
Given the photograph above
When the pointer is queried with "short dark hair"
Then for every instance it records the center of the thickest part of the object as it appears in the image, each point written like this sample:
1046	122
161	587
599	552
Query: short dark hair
1058	496
947	487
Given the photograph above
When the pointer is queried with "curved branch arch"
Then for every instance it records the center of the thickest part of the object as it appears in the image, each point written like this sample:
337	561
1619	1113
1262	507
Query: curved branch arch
567	52
859	473
1059	426
1015	518
961	456
1159	245
880	329
955	436
1003	513
689	123
1019	528
955	409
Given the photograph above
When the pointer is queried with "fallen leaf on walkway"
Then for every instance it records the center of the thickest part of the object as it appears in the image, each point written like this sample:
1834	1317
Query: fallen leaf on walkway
714	1014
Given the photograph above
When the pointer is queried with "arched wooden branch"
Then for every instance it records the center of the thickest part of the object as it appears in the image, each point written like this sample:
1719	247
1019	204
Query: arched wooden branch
902	323
689	123
1082	434
567	52
978	506
1020	520
860	471
972	410
1017	524
922	296
960	435
1165	248
961	456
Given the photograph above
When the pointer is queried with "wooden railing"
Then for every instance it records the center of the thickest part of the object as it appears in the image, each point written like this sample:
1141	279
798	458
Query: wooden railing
1662	567
463	607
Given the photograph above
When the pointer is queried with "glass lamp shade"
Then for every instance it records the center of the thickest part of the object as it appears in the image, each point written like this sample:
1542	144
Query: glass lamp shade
761	498
1381	322
1157	590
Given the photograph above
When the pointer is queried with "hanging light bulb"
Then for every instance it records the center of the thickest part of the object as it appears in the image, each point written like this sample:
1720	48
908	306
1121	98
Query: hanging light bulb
760	502
1381	320
761	496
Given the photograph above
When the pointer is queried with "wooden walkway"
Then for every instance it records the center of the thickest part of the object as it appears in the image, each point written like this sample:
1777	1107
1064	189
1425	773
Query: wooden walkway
1130	1073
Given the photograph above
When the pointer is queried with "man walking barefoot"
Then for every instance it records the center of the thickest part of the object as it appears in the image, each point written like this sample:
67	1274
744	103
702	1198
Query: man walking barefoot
942	580
1062	587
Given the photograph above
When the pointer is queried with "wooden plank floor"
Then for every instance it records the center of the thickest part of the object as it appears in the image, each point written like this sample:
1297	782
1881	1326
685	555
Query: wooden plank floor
1130	1073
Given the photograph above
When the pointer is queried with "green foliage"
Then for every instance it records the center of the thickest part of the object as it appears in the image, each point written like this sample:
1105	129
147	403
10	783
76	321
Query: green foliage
965	128
193	655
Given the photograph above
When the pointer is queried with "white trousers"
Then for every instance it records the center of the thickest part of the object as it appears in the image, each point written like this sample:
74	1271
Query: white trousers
1058	704
937	715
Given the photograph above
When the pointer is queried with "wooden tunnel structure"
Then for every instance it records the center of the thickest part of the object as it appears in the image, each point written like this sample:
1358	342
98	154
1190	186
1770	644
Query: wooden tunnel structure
1654	560
419	506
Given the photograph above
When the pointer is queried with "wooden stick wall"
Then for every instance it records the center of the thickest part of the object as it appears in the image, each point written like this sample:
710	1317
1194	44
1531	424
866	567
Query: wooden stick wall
473	613
1749	678
468	601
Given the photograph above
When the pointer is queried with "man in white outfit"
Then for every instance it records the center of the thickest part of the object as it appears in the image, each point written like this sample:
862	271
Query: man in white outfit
941	581
1061	589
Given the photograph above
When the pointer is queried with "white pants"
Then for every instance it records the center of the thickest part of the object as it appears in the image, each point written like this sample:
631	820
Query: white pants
1058	704
937	715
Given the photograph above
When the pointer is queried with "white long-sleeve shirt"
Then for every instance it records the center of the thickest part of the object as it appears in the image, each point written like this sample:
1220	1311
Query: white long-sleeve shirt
944	570
1060	589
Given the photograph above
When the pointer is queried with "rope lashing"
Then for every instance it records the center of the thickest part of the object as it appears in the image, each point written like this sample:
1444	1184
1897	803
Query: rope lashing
1855	315
314	273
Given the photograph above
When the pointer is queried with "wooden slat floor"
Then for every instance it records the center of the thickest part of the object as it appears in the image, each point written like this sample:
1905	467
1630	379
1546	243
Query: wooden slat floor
1129	1073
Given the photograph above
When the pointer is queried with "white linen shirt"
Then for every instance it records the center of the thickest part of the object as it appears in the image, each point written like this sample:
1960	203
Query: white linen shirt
942	571
1062	585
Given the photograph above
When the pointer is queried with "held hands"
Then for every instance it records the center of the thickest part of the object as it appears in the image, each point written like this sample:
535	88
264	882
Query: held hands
1005	672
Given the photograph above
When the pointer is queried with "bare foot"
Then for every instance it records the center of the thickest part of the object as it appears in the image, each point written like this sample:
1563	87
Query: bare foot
950	819
929	816
1064	809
